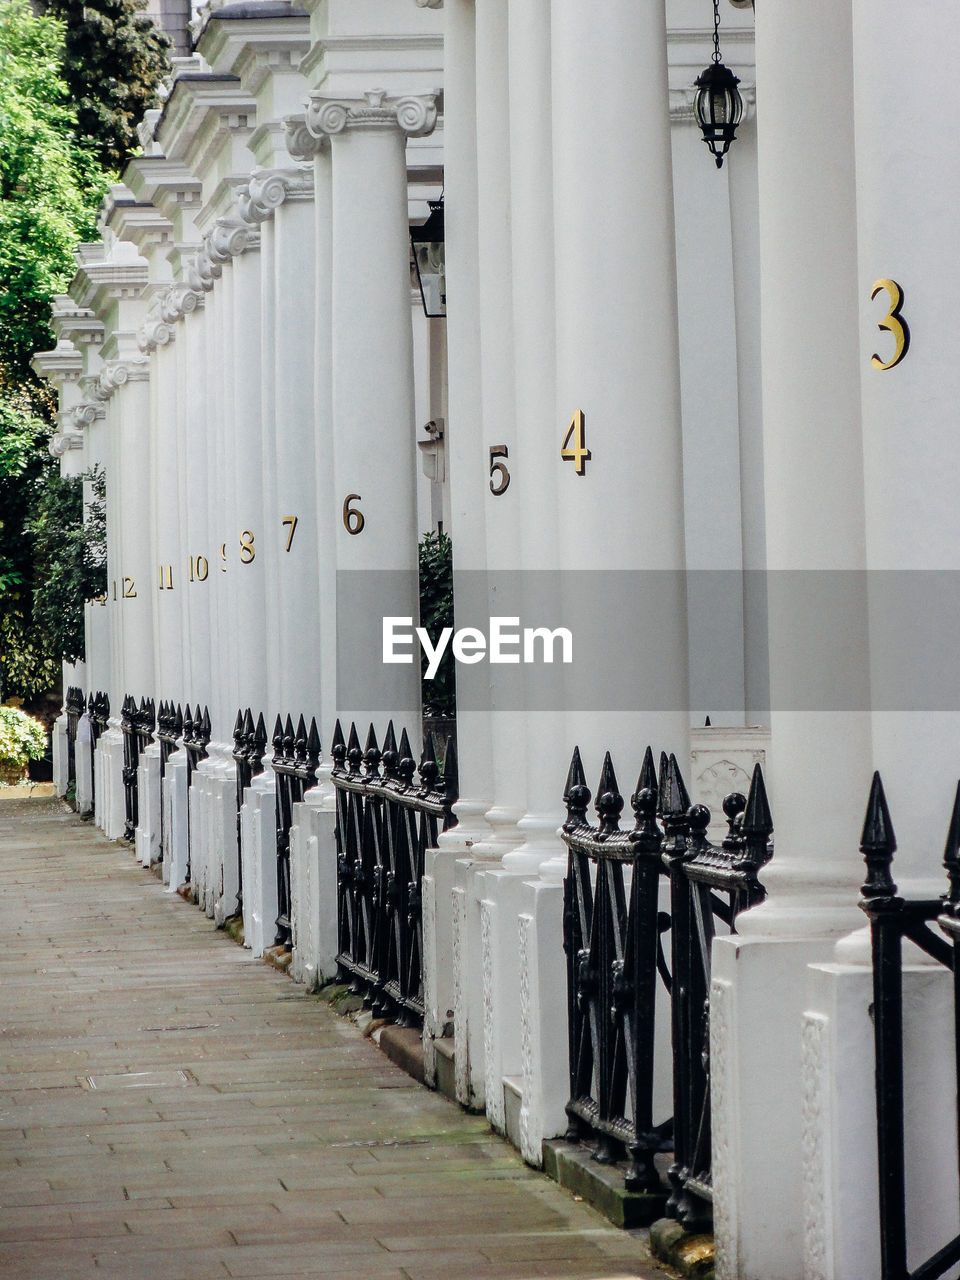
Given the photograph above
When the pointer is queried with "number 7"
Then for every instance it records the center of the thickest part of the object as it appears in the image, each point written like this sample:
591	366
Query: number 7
292	522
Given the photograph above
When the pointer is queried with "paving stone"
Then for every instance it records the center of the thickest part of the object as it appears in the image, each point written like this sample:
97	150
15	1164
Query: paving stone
171	1107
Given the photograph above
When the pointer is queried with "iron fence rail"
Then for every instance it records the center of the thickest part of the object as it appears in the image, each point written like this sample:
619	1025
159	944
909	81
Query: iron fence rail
73	706
249	748
98	709
169	732
893	918
613	932
385	823
296	759
137	725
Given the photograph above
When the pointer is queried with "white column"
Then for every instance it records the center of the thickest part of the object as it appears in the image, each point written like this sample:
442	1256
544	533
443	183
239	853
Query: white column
905	158
907	177
820	751
372	395
617	363
467	488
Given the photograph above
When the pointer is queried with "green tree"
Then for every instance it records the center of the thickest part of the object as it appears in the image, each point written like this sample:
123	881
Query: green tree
50	188
114	59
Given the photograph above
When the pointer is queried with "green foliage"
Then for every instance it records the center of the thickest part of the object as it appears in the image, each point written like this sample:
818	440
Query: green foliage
49	186
113	62
436	612
27	665
21	737
69	558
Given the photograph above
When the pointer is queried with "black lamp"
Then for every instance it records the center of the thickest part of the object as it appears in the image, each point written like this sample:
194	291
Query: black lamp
426	242
718	105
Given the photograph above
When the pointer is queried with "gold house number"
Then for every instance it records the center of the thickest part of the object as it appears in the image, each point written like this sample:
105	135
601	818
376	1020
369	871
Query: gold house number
893	323
574	448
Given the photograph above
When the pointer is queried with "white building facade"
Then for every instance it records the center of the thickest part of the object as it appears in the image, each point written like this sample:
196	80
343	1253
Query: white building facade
695	416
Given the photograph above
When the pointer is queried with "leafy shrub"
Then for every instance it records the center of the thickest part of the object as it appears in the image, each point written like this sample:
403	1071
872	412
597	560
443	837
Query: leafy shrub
436	612
21	737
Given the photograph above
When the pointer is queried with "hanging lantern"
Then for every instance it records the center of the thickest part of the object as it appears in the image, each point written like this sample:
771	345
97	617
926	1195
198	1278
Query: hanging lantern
718	105
426	242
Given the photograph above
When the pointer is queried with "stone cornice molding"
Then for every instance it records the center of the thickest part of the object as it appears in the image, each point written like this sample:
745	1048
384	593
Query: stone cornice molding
118	373
269	188
62	441
302	145
414	114
61	365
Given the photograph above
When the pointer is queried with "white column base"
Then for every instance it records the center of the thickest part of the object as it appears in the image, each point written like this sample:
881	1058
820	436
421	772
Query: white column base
223	839
84	762
148	812
438	953
471	991
198	801
59	752
110	784
175	834
757	1000
499	905
841	1216
259	837
313	882
542	998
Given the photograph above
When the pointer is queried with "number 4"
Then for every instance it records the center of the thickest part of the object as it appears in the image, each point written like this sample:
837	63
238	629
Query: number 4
577	451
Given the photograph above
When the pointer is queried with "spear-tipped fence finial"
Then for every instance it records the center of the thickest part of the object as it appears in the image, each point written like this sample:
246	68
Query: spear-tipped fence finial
878	844
609	802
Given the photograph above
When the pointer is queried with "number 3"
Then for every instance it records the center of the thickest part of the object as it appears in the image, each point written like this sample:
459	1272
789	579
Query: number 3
893	323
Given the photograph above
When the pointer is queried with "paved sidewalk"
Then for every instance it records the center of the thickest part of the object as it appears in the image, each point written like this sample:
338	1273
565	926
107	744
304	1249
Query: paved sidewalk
172	1109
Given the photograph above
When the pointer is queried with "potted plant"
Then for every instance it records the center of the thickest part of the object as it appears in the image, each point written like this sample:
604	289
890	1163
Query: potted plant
22	738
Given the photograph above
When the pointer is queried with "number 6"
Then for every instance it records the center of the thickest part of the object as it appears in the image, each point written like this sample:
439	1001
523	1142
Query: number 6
353	520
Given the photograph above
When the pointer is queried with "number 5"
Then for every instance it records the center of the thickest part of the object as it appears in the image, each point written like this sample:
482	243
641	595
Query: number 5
502	484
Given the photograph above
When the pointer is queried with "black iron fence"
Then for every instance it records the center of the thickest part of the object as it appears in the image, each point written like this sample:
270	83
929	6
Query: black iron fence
249	748
296	758
893	918
385	823
169	731
137	725
73	705
196	738
613	938
98	711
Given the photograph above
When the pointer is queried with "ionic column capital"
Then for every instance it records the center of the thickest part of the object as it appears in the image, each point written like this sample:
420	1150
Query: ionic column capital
63	441
154	332
178	301
84	414
228	238
269	188
415	114
119	372
302	145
